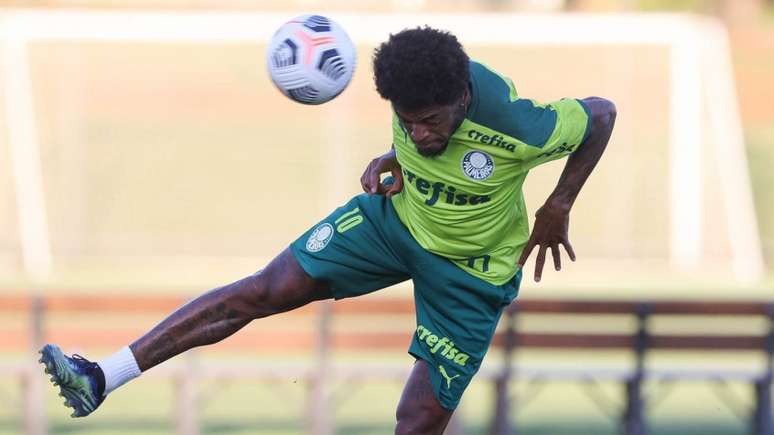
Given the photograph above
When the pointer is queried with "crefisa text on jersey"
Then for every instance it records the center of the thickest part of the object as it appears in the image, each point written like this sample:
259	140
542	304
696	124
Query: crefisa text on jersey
495	140
438	190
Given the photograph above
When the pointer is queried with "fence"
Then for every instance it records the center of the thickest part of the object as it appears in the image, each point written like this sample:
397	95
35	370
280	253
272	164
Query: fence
641	341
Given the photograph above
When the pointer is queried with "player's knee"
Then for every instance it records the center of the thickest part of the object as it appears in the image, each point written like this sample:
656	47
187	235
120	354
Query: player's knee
258	289
282	286
419	420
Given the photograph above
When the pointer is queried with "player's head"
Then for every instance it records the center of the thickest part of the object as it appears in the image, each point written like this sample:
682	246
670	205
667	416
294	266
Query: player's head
424	73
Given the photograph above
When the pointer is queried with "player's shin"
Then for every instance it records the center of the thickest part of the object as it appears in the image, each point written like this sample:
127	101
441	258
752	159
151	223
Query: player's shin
207	319
282	286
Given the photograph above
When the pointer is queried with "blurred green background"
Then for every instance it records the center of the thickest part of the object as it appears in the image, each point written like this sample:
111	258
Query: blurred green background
173	168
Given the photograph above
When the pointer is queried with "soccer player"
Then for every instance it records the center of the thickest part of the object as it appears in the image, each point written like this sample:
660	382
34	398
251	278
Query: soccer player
451	218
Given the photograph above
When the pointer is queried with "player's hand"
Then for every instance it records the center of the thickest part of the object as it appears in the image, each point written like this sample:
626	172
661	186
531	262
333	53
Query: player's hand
371	179
550	231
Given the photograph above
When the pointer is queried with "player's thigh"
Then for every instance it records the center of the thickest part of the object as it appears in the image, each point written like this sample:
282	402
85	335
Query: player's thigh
419	411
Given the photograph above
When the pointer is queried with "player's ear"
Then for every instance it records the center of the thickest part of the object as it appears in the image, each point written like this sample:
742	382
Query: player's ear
465	101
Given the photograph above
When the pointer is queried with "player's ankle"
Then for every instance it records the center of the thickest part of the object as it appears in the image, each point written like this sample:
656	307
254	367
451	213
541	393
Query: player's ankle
118	369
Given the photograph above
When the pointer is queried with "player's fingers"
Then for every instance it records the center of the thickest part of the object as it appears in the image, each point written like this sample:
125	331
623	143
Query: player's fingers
557	256
367	179
364	180
568	248
397	179
374	180
365	185
526	253
541	259
392	191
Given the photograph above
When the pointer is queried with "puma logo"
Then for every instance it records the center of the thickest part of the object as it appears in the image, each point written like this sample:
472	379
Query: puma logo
446	376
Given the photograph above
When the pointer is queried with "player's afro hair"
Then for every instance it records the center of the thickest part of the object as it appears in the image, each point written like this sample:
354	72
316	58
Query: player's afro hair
421	67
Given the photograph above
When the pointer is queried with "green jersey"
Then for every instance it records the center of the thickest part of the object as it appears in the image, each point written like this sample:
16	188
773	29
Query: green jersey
467	204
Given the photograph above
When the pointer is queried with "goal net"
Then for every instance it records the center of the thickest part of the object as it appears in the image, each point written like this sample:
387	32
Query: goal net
153	146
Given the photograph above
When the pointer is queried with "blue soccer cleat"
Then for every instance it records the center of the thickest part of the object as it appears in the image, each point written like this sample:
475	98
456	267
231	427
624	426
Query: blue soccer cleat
80	381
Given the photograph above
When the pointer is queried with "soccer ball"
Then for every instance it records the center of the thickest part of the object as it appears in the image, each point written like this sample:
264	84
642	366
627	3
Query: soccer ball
311	59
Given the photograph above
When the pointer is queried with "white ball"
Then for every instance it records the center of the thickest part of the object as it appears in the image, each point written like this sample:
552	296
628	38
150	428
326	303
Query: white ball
311	59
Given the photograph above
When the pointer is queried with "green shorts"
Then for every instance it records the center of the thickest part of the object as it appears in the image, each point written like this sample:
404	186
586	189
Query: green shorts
362	247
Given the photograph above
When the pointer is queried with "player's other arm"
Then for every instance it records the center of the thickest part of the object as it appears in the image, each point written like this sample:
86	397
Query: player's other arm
582	162
552	219
371	178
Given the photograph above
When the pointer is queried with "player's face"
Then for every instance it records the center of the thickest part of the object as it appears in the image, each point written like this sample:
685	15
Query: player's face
432	127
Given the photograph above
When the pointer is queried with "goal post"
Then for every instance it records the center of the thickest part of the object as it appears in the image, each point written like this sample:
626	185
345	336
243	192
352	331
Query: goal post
701	88
25	155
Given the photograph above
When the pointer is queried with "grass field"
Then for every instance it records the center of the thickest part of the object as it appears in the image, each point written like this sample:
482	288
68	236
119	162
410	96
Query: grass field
147	407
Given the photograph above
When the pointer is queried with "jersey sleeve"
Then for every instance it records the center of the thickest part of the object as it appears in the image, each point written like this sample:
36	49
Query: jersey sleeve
544	132
571	127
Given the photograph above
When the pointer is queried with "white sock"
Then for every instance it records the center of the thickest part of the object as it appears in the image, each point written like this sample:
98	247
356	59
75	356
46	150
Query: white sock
119	368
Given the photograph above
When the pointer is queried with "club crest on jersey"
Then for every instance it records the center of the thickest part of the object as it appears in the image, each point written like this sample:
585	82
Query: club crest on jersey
319	238
477	165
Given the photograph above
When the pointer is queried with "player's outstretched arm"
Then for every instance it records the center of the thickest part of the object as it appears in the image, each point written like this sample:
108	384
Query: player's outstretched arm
553	218
371	178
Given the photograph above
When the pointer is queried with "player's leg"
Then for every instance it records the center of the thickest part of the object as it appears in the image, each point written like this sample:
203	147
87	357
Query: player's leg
457	314
419	411
345	255
282	286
